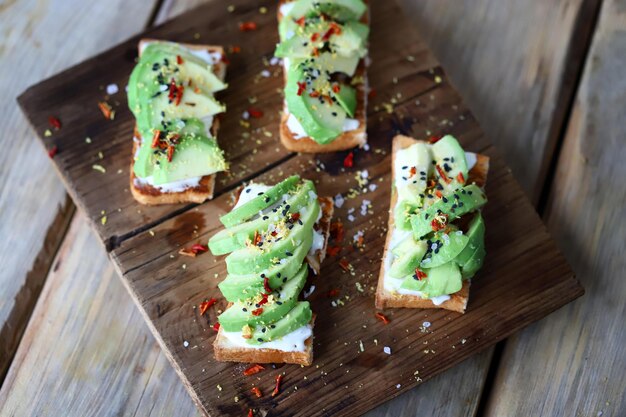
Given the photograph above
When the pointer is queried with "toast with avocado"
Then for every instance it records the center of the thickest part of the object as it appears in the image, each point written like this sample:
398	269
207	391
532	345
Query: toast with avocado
323	45
435	236
273	236
171	93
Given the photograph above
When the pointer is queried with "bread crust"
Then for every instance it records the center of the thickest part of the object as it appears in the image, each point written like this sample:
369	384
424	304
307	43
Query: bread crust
149	195
226	353
386	299
347	140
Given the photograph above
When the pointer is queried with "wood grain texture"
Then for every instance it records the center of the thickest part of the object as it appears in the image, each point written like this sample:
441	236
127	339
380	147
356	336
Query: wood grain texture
35	43
572	364
93	353
516	64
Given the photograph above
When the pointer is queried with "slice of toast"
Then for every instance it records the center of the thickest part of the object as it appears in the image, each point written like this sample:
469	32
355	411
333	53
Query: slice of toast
387	299
347	140
146	193
226	351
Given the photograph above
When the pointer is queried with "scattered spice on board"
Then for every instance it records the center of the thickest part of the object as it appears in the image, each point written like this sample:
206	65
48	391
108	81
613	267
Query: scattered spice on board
54	122
348	162
371	94
53	151
345	265
205	305
98	167
107	110
336	231
250	414
382	318
333	293
247	26
194	250
254	369
279	378
256	391
333	250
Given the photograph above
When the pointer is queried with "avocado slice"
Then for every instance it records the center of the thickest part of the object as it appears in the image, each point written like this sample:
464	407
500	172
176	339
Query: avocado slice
443	247
339	9
235	237
442	280
412	166
449	157
280	302
322	120
259	203
349	42
346	97
408	257
476	236
299	316
255	259
454	204
402	215
474	263
238	287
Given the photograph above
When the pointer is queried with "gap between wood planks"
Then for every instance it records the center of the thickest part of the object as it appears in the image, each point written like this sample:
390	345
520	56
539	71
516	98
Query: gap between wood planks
578	52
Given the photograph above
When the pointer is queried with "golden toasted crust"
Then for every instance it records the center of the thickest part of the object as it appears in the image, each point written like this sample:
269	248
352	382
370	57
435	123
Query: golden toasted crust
149	195
226	352
458	300
347	140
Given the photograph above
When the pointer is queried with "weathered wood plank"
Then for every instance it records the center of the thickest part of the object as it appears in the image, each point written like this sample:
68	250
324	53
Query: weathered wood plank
516	64
573	363
35	43
92	352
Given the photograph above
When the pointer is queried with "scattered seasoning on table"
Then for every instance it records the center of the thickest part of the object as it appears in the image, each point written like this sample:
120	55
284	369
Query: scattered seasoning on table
250	414
247	26
348	162
255	113
333	293
254	369
382	318
371	94
205	305
53	151
98	167
256	391
279	378
194	250
107	110
387	350
333	250
54	122
345	265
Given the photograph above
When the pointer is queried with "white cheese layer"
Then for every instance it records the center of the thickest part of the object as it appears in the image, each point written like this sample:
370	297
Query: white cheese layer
296	128
291	342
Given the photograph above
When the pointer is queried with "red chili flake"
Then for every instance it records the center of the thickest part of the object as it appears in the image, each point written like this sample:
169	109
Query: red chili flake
187	252
225	59
345	265
434	139
256	391
266	285
179	93
54	122
328	34
348	161
172	90
170	153
383	318
247	26
333	250
257	238
336	231
257	312
460	178
438	194
295	217
371	94
263	300
250	414
156	138
253	369
419	274
328	99
205	305
235	49
336	88
316	52
255	113
279	378
179	60
216	326
442	174
437	225
106	109
53	151
300	21
412	171
199	248
333	293
301	88
314	94
359	242
315	37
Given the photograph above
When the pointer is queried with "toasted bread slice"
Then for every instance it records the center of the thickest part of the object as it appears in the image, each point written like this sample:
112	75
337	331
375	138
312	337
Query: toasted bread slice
458	300
146	193
347	140
226	351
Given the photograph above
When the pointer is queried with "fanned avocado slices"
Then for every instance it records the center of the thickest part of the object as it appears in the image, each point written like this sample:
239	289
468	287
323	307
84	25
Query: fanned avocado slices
266	266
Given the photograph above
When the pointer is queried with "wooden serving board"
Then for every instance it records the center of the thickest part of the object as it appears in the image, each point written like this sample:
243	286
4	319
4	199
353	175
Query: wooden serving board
524	278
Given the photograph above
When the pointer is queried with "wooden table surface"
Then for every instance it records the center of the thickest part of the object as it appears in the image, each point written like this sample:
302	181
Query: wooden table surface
544	78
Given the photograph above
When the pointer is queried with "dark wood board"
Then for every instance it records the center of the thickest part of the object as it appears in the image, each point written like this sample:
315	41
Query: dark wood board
524	278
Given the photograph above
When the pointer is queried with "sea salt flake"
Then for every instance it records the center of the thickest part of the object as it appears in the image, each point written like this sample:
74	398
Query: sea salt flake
426	324
112	89
339	200
387	350
185	343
